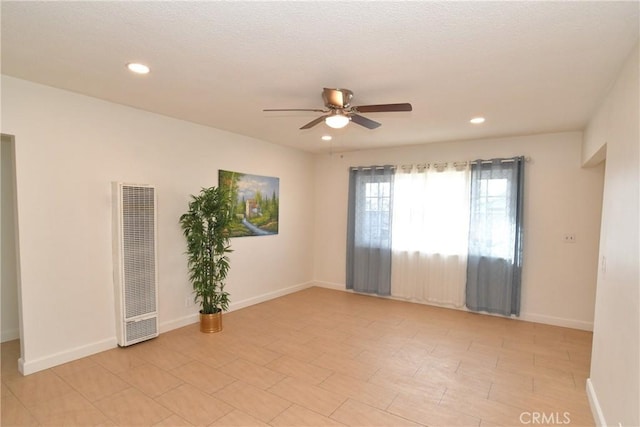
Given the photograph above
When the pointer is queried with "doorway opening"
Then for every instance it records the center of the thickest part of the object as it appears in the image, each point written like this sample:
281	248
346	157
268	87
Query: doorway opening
11	316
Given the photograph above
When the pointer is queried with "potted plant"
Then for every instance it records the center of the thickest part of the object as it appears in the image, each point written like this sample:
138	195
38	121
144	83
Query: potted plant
205	228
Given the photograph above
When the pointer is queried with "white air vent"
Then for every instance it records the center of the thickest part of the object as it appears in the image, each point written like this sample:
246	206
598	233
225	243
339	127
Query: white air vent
135	262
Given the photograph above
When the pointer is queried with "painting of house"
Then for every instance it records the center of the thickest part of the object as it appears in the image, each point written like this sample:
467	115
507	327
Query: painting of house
255	203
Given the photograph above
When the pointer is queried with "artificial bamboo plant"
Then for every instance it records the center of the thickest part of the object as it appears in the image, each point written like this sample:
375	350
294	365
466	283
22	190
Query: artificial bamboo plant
205	228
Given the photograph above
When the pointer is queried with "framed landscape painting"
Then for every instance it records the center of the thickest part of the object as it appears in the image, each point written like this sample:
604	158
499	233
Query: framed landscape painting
255	202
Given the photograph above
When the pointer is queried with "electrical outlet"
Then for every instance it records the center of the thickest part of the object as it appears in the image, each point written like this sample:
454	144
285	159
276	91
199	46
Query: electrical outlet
569	238
188	302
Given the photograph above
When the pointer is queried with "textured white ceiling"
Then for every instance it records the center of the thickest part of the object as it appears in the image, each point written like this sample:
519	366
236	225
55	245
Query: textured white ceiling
528	67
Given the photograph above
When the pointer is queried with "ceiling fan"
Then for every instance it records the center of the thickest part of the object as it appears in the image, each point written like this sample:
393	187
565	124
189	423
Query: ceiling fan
339	111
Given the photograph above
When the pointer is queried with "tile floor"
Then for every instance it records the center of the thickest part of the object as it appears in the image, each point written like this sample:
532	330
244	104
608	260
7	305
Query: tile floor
319	358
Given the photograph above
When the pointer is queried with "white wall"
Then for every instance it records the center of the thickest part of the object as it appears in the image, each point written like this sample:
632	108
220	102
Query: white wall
69	148
560	197
9	267
614	384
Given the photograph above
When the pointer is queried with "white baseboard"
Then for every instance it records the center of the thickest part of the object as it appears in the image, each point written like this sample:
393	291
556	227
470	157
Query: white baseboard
596	410
9	335
330	285
32	366
557	321
27	367
529	317
269	296
193	318
170	325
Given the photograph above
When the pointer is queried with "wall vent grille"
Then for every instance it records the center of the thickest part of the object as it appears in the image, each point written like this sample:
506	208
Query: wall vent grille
135	262
141	330
138	228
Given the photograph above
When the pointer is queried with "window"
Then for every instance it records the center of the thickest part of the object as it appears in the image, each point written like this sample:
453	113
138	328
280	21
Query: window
493	207
376	218
445	231
377	196
431	211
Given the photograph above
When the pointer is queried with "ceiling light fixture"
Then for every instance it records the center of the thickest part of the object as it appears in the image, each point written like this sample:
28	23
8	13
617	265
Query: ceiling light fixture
477	120
326	137
138	68
337	121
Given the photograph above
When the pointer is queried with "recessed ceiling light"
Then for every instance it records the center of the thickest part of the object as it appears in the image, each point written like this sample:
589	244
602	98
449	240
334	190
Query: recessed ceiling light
138	68
477	120
326	137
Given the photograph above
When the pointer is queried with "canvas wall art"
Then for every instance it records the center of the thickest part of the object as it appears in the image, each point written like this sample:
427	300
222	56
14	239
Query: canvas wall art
255	203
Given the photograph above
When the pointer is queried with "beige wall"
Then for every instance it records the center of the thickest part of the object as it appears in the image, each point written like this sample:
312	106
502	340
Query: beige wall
614	384
559	279
69	148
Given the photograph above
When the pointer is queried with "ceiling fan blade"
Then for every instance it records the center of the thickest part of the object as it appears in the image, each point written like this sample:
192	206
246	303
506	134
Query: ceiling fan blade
363	121
383	108
296	109
314	122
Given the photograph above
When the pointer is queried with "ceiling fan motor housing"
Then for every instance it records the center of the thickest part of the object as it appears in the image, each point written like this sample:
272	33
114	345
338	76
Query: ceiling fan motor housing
337	98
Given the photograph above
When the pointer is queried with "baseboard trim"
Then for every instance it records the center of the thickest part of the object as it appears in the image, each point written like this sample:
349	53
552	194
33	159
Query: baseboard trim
9	335
27	367
32	366
330	285
594	404
193	318
528	317
181	322
269	296
557	321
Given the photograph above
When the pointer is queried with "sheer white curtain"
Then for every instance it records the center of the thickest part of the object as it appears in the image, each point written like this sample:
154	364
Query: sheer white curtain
430	233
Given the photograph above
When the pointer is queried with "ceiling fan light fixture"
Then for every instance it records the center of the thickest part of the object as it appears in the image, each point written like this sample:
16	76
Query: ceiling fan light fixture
477	120
337	121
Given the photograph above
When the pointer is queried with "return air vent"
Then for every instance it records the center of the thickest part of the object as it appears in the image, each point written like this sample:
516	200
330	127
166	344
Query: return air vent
142	329
135	262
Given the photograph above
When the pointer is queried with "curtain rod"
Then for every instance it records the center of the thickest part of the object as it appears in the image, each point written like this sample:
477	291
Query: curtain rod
439	165
526	159
368	168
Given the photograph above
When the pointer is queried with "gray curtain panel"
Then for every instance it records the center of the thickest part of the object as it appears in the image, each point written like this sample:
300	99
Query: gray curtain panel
369	229
494	264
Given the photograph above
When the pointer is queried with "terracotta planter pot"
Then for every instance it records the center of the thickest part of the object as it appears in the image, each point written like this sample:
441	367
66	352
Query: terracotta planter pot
210	323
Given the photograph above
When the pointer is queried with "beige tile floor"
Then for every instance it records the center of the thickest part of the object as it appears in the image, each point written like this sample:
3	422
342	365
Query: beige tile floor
314	358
